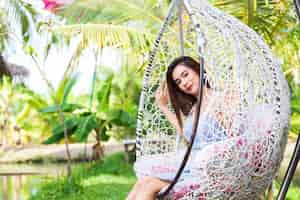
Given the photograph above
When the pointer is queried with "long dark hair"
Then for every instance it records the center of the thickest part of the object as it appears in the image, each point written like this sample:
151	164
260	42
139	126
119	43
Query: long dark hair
182	102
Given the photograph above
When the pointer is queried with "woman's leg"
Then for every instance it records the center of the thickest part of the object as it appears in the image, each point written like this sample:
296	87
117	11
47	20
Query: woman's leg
150	187
137	187
134	190
146	188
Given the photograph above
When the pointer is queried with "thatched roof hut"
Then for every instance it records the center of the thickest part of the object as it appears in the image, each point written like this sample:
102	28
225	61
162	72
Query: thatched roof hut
12	70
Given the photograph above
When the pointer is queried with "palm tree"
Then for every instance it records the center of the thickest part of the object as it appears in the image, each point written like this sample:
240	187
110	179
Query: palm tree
268	17
100	27
101	24
26	18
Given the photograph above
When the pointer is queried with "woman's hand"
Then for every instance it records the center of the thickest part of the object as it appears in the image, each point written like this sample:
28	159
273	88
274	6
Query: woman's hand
162	98
162	95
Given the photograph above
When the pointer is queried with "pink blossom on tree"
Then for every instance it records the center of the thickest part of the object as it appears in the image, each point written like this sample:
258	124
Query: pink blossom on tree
51	5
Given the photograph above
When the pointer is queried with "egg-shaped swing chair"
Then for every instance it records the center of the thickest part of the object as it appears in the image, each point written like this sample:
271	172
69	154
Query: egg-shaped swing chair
231	146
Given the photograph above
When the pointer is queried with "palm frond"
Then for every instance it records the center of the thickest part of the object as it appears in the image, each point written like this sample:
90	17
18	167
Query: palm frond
94	11
23	14
107	35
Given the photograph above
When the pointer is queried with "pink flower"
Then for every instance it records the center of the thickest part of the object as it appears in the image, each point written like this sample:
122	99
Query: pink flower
51	5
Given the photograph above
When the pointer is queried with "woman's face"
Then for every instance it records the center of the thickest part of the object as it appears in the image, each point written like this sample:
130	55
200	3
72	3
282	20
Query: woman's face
186	79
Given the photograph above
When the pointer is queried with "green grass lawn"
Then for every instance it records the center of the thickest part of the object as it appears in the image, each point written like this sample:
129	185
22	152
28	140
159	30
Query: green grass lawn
108	180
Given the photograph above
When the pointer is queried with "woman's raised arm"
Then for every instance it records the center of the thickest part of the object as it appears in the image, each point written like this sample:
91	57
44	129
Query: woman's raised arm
162	100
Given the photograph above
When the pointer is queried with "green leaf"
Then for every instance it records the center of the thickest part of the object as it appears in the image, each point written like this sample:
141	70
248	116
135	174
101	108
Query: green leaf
23	114
24	15
58	131
50	109
85	126
30	50
71	107
25	26
70	123
103	134
122	118
104	93
68	88
64	108
54	138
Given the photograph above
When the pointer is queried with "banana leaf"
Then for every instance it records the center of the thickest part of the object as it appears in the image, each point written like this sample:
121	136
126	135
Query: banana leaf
85	126
58	131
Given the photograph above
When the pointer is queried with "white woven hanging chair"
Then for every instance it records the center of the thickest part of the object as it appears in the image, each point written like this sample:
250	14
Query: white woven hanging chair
249	91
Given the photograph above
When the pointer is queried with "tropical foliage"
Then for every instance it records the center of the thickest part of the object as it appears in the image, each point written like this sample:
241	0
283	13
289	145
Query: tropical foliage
270	18
22	18
20	122
109	108
274	20
81	121
100	25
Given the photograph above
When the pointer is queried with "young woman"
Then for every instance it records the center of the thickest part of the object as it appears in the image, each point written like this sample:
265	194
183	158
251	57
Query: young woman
181	91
